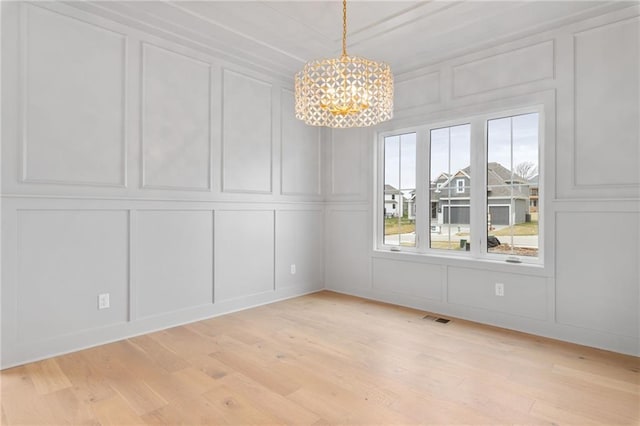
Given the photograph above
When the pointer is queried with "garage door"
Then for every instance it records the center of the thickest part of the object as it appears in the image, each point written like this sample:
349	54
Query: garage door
499	215
459	215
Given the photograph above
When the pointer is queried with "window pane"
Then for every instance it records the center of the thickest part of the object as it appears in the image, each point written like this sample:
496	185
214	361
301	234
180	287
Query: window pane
449	192
400	190
512	185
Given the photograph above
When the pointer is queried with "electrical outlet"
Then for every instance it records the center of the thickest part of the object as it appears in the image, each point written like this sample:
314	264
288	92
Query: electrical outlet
499	289
293	269
103	301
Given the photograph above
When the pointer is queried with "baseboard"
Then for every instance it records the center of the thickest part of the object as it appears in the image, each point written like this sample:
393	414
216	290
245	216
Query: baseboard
37	351
565	333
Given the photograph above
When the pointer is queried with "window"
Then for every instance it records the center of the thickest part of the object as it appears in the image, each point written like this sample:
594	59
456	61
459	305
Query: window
512	169
400	190
449	156
471	188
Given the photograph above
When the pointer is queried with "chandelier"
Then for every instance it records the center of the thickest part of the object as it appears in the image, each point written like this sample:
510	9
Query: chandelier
349	91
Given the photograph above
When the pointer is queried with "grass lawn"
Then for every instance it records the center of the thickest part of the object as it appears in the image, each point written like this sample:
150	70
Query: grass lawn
527	228
404	226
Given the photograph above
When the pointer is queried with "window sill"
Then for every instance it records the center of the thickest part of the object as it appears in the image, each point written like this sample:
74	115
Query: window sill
533	269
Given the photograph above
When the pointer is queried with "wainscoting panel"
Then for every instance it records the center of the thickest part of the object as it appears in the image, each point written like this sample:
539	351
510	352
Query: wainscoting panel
524	295
420	280
174	260
65	258
598	288
244	247
299	235
347	250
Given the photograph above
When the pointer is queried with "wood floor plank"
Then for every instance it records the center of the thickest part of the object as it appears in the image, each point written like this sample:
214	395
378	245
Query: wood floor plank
187	411
88	384
161	356
47	376
260	396
114	411
326	359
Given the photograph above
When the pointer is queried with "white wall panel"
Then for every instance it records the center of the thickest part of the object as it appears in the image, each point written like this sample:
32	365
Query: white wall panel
523	295
414	279
347	162
246	134
347	250
73	100
607	105
65	259
299	242
176	120
300	152
597	271
522	65
244	246
417	91
174	260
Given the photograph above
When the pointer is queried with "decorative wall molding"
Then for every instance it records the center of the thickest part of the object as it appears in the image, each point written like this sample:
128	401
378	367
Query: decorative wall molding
417	91
23	101
241	133
182	35
623	109
318	142
145	46
521	65
347	147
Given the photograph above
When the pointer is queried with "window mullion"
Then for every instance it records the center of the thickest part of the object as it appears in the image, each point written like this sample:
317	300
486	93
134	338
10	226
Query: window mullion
478	188
422	201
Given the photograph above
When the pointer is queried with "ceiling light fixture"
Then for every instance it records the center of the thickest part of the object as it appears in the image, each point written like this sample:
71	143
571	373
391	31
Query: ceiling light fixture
349	91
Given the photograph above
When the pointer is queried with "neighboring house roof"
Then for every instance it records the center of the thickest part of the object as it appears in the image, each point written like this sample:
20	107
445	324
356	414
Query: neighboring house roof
443	176
505	175
534	180
498	177
389	188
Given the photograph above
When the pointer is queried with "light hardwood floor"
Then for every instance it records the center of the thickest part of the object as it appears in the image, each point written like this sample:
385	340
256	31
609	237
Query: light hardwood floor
326	358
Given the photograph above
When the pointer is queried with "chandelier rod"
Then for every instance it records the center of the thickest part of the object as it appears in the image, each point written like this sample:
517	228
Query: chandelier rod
344	27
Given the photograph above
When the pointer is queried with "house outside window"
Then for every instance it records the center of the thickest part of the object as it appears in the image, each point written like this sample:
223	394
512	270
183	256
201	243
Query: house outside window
490	212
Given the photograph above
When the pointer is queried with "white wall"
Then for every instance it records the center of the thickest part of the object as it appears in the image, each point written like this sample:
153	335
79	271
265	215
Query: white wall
180	184
586	77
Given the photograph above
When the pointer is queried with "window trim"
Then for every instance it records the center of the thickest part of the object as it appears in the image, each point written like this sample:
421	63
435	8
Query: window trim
478	159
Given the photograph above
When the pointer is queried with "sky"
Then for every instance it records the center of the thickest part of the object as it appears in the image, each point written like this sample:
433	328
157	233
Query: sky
400	150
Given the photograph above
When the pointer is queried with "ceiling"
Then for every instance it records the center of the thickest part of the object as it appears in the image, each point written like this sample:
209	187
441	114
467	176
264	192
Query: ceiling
281	36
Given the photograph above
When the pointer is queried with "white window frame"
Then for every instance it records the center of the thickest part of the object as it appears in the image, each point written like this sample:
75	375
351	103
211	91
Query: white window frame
478	193
459	187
